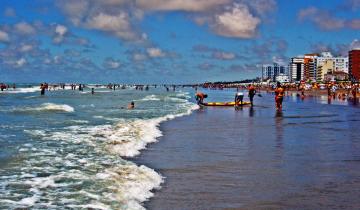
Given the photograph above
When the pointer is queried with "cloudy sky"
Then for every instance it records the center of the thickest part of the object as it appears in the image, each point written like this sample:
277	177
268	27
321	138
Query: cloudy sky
166	41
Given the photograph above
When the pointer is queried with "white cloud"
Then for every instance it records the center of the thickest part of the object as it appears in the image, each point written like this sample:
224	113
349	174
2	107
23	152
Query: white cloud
116	24
4	37
181	5
355	44
20	63
139	57
111	63
155	52
121	17
24	28
223	55
236	22
26	48
61	30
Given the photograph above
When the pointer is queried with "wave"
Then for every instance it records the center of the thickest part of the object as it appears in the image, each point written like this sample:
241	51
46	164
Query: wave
52	176
151	98
47	107
22	90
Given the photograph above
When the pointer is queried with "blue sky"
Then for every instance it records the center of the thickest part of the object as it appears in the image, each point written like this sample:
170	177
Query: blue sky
166	41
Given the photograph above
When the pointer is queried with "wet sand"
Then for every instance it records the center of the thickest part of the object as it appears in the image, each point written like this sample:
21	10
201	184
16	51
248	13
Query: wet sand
307	157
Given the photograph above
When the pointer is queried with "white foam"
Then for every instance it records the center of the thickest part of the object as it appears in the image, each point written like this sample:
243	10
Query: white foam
151	98
22	90
133	184
48	107
30	201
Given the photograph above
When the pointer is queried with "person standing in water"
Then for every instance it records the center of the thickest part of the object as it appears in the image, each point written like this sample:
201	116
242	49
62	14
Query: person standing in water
279	95
199	96
42	88
251	94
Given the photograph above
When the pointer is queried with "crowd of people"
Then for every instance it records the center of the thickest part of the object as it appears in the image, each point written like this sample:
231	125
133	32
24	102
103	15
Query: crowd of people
342	91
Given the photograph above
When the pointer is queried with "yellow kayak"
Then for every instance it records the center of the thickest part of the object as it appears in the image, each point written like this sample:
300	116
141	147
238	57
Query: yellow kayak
224	103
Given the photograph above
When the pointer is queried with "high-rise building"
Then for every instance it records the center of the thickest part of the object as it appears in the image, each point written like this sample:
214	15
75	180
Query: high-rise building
296	68
310	66
354	64
272	71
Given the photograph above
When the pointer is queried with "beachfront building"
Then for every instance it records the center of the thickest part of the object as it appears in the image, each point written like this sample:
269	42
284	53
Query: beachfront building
296	69
283	78
310	66
328	64
270	72
354	64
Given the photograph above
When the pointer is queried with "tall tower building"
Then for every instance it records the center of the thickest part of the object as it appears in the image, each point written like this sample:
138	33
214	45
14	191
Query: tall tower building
296	68
354	64
310	66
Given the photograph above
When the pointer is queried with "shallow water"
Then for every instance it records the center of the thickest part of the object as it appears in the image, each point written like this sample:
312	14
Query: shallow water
305	157
69	149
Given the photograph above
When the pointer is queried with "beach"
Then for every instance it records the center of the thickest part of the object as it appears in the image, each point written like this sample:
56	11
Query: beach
306	157
77	149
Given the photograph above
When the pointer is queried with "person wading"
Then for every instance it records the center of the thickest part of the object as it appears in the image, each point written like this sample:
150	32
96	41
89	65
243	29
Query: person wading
279	95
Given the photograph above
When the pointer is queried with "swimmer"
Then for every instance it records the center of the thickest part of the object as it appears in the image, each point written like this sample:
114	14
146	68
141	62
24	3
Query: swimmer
131	105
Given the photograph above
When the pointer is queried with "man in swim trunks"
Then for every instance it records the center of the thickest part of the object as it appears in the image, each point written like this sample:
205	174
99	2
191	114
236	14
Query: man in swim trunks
252	93
279	94
199	96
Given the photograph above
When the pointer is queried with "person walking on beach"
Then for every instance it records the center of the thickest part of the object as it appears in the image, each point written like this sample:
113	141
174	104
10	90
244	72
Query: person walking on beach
251	94
279	95
239	96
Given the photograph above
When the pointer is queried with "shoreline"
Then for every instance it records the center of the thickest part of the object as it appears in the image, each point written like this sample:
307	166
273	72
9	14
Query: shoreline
216	158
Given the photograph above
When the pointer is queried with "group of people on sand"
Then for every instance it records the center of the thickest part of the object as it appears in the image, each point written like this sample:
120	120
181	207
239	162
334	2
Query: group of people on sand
239	96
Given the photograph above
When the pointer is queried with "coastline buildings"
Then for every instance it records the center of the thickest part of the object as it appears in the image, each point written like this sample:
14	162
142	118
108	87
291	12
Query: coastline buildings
314	67
354	64
275	72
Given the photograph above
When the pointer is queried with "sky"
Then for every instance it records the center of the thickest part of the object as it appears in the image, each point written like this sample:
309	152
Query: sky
166	41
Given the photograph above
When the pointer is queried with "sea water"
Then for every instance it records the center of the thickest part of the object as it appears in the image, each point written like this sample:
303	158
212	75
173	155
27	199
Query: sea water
69	148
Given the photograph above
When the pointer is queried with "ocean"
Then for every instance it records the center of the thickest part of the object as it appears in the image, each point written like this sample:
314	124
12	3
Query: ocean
72	149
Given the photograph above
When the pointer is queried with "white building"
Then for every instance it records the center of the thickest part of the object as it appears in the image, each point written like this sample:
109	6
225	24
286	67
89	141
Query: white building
339	64
296	69
271	71
282	78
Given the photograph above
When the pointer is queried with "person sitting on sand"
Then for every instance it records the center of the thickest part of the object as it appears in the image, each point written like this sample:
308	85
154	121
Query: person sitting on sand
279	95
199	96
131	105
